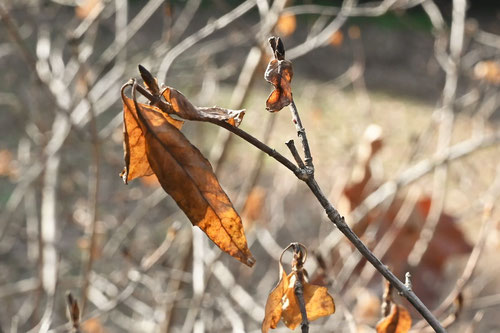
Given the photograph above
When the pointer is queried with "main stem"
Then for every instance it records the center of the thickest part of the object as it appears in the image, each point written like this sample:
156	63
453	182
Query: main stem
339	221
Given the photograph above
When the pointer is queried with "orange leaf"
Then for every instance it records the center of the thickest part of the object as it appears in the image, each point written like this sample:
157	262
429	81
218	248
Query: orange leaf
183	108
273	305
188	178
134	144
398	321
286	25
316	298
282	302
279	73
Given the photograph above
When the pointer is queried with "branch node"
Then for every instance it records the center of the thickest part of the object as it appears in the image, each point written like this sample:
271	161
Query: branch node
291	146
408	284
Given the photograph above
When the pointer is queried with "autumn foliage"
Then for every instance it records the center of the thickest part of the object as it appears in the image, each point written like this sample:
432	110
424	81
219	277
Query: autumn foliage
153	144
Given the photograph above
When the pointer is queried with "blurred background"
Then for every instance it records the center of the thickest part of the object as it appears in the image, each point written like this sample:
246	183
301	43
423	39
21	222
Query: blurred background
400	102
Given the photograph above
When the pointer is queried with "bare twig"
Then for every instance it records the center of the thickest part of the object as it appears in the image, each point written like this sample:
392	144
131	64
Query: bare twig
301	133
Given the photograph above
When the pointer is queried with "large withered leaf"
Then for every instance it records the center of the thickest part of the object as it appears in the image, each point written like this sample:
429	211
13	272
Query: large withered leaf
183	108
398	321
279	73
188	178
316	298
134	144
273	305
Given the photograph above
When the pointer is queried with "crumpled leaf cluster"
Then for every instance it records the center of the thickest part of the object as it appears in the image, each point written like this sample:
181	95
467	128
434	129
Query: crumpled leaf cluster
279	73
153	144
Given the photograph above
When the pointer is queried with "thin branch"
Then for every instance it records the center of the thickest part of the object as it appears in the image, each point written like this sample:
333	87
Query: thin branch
291	146
299	293
301	133
239	132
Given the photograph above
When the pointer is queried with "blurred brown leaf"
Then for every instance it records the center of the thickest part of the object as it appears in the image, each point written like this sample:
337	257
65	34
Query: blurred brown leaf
252	210
337	38
92	325
5	162
488	70
279	73
286	25
155	144
86	7
398	321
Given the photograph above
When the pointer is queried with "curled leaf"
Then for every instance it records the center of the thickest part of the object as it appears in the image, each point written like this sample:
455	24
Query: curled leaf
397	321
183	108
279	73
186	176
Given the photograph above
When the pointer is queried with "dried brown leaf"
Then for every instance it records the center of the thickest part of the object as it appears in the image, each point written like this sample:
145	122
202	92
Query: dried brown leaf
273	305
316	298
282	302
279	73
188	178
183	108
134	144
398	321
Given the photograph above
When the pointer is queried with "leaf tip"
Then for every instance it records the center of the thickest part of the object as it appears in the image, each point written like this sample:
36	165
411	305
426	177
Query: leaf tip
143	70
250	261
149	80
